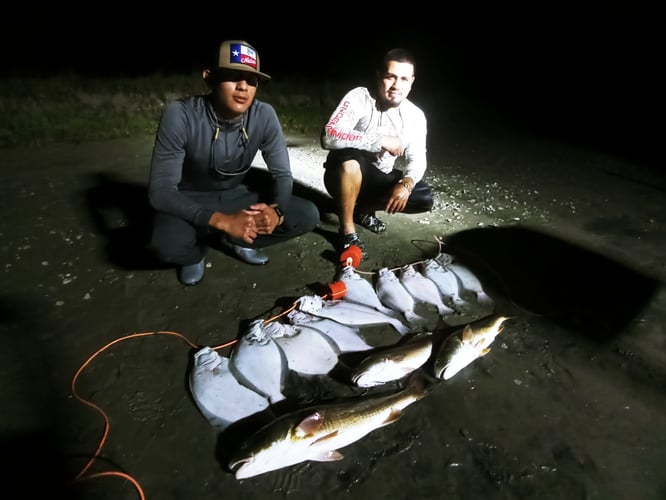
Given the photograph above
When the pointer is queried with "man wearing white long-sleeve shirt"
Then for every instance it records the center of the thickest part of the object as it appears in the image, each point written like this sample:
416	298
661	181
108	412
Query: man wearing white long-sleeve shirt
376	140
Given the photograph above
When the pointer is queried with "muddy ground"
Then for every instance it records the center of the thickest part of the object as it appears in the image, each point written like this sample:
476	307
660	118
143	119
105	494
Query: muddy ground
569	404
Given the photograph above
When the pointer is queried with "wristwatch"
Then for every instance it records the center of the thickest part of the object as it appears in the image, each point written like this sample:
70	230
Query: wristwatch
407	183
279	213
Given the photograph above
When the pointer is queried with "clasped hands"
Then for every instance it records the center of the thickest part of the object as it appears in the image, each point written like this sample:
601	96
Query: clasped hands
258	218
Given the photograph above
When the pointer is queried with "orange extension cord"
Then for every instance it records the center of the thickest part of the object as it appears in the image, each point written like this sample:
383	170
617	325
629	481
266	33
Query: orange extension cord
81	476
337	290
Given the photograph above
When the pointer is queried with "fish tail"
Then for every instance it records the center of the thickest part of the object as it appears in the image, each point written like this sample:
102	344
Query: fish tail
415	319
483	298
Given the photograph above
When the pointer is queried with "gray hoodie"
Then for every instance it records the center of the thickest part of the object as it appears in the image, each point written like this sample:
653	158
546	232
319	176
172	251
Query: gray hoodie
195	151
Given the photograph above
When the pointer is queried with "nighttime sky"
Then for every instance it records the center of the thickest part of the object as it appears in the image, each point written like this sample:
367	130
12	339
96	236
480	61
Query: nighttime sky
603	57
108	38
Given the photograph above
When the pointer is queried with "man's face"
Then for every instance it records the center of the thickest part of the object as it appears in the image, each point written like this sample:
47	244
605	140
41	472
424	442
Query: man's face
234	92
396	83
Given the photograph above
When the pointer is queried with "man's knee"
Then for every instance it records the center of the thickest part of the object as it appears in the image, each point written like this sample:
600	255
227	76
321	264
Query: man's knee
335	176
172	250
422	199
350	167
308	215
428	202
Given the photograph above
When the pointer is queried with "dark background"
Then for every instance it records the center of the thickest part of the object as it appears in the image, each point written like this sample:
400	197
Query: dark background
593	72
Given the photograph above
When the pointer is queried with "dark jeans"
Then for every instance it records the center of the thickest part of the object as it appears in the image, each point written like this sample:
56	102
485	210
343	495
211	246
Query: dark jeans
376	186
176	241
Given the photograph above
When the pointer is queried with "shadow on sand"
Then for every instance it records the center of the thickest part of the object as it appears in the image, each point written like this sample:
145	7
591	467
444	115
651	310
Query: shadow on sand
547	276
120	212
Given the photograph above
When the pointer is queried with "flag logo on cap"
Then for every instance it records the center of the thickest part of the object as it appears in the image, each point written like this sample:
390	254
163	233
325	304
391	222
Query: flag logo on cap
242	54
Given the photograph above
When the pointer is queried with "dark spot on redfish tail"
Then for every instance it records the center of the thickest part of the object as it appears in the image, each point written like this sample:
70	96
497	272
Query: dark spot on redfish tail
419	382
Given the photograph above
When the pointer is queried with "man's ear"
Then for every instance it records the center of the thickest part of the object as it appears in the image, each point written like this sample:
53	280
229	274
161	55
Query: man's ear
208	78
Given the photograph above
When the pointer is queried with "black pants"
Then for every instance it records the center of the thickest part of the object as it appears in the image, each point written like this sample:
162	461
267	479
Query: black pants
376	186
176	241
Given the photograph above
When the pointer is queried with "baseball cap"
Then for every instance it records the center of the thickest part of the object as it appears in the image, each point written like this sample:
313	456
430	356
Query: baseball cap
241	56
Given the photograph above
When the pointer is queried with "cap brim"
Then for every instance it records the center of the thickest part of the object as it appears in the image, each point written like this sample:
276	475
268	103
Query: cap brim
244	69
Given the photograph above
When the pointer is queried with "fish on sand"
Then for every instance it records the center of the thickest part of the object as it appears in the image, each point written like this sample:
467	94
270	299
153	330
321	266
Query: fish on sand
348	313
258	363
345	338
470	283
361	291
445	279
218	395
390	363
466	344
394	295
308	351
317	433
423	289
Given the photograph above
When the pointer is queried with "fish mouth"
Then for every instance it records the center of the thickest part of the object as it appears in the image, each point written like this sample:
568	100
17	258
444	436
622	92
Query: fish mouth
438	371
448	371
240	467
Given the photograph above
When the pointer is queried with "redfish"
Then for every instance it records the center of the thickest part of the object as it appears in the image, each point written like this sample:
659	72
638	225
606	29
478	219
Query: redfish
318	432
466	344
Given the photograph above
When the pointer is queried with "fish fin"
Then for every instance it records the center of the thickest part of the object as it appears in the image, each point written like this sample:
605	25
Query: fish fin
328	456
392	417
485	351
310	424
330	435
467	333
397	357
